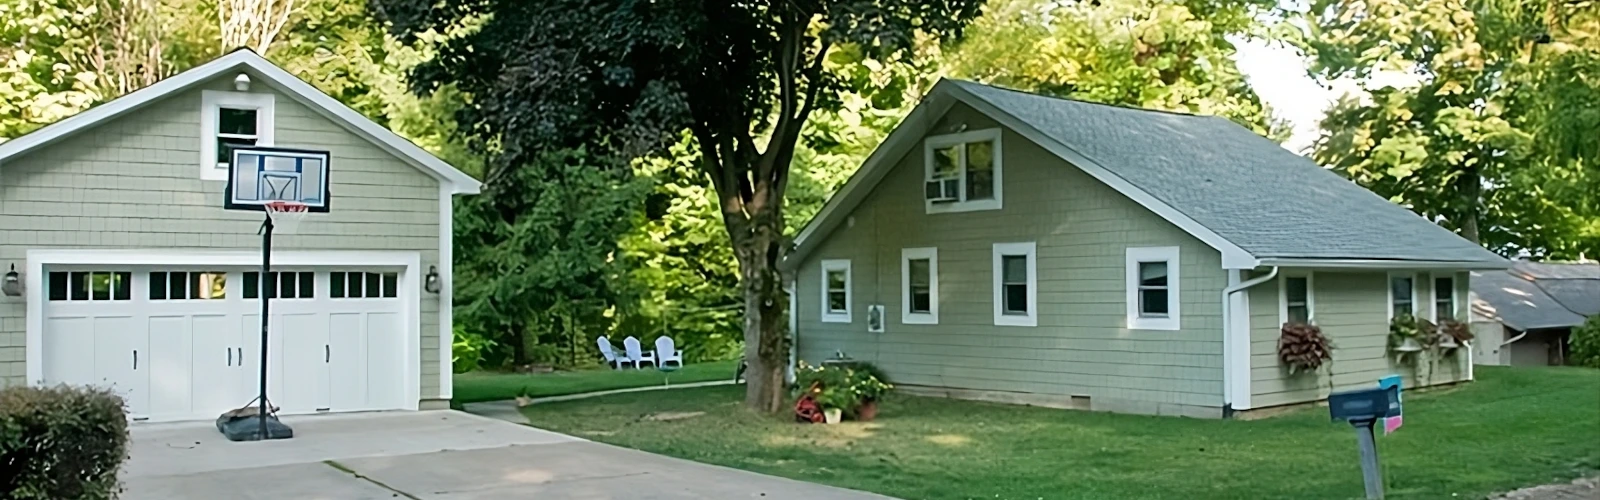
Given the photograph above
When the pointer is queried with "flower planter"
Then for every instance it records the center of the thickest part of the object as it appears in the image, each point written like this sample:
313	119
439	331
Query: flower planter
867	411
1448	343
832	415
1409	345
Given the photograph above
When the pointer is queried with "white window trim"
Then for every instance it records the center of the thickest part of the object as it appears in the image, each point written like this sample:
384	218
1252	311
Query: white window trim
1137	255
919	318
849	295
941	141
1433	297
1311	296
1389	284
213	100
1029	249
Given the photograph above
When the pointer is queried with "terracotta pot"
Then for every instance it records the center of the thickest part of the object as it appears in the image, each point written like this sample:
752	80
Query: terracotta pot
832	415
867	411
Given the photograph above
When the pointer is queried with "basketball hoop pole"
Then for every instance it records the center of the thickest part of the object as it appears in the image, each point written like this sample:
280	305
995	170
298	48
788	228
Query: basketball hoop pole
266	275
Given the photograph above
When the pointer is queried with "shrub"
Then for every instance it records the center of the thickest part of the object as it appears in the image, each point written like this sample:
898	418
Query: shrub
468	350
61	442
841	385
1585	343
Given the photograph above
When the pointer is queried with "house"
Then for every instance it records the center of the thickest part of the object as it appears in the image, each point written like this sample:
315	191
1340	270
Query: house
1524	315
1007	246
130	274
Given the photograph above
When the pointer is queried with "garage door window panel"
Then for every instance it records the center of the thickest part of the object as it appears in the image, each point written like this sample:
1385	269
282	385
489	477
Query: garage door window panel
282	285
90	286
188	285
363	285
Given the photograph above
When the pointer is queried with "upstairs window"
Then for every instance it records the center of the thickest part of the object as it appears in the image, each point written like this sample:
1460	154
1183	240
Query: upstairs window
836	291
231	120
1152	288
962	171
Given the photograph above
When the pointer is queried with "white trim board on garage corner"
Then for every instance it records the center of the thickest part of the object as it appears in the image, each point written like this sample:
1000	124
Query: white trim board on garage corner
409	282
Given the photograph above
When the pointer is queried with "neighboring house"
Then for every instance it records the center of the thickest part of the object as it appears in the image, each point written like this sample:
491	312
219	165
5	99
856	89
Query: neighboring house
134	276
1524	315
1008	246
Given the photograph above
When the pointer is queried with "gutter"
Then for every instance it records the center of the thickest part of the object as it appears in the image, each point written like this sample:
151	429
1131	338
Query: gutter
1389	264
1230	344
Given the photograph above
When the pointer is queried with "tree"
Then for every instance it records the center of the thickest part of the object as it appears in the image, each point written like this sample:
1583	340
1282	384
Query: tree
540	249
1459	116
252	24
1156	54
742	77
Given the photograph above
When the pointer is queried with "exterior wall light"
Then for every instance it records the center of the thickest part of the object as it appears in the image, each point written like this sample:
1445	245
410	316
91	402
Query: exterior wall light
11	285
431	282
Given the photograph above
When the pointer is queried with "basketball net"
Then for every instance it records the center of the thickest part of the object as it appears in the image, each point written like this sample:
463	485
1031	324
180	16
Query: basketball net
286	215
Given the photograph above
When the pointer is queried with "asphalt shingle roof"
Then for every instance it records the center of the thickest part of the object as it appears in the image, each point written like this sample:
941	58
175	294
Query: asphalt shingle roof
1246	188
1531	296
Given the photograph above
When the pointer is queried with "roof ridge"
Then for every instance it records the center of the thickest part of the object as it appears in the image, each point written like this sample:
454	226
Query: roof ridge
1083	101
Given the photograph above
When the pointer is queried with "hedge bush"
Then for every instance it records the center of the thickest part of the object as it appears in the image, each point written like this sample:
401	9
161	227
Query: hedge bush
61	443
1586	343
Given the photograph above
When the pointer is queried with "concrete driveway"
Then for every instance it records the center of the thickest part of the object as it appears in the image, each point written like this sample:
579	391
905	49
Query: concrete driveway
426	455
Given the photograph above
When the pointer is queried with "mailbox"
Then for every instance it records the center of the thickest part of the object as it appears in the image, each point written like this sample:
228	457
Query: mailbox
1364	404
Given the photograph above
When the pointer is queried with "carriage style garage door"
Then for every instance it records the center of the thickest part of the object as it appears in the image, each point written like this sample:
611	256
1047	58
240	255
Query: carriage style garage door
183	343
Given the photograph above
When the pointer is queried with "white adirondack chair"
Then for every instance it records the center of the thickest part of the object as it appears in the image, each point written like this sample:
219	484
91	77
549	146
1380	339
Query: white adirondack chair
667	353
636	355
610	353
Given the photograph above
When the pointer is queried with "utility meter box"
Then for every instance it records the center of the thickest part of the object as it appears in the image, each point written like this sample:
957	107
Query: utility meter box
1364	404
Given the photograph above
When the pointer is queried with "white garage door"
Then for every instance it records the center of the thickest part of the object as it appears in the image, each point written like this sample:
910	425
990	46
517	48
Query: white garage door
185	343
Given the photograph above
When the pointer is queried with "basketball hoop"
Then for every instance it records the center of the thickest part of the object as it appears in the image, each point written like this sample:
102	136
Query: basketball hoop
286	215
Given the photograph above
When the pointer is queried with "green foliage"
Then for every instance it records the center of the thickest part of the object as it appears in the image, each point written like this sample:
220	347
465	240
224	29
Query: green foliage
467	352
1585	344
537	254
1169	55
842	386
681	262
61	442
1475	114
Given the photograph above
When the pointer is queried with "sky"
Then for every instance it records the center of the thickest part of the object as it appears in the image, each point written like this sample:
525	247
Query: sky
1278	74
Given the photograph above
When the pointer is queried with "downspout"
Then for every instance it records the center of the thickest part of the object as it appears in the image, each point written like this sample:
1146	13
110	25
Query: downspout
1228	339
794	327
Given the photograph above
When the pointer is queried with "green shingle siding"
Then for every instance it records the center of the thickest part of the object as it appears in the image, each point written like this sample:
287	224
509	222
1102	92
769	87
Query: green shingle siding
1353	310
134	183
1081	345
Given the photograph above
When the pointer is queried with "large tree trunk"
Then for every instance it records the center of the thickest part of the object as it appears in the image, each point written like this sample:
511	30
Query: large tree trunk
1470	185
757	242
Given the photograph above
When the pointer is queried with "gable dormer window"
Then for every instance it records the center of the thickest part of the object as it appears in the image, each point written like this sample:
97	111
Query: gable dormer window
962	171
231	120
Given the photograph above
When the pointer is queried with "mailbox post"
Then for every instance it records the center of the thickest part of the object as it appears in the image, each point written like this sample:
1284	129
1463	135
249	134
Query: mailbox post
1362	409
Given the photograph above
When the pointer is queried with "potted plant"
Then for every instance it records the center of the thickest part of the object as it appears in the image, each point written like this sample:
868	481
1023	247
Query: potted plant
834	401
1405	334
868	387
1453	334
1302	346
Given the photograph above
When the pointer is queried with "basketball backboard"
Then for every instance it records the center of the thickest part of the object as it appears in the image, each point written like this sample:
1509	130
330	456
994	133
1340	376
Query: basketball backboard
261	175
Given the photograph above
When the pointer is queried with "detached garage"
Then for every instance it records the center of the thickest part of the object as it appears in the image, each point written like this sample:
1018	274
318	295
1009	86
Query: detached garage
133	276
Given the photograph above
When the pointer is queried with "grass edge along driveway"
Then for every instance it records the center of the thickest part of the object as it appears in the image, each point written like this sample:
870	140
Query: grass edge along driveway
1512	428
477	387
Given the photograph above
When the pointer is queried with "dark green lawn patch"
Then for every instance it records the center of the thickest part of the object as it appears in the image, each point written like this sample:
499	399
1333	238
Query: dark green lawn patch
489	386
1514	427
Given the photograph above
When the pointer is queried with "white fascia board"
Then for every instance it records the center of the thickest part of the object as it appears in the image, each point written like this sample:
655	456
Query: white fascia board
276	77
1386	264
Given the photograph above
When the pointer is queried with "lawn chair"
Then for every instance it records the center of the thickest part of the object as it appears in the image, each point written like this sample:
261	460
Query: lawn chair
666	352
610	353
637	356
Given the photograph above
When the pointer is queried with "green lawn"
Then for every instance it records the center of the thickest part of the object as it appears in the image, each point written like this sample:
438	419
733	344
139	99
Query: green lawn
1511	428
489	386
